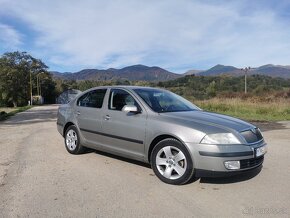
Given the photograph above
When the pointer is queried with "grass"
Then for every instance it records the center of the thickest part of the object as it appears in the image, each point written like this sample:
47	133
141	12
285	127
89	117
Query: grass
249	109
8	112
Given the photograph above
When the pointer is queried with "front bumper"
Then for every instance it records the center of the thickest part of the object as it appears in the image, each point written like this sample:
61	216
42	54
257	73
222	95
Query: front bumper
199	173
212	158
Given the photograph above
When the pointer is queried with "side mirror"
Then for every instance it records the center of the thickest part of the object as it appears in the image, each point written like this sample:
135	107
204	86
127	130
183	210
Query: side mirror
130	108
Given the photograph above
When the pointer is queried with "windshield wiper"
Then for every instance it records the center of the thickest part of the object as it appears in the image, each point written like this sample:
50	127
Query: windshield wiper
175	111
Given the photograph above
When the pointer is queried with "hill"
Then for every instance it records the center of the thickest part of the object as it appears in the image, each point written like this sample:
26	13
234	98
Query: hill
220	69
191	72
273	71
157	74
131	73
266	70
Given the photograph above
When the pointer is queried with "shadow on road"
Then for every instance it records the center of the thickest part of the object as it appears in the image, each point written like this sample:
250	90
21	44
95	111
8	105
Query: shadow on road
34	115
219	180
233	179
139	163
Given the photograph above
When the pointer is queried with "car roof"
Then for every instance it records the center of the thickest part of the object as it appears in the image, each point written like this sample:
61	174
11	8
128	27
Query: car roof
125	87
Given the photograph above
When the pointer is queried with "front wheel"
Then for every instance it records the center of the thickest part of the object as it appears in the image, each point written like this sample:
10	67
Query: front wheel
171	162
72	141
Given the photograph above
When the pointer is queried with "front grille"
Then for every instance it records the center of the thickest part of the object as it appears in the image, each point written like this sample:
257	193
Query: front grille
253	162
252	135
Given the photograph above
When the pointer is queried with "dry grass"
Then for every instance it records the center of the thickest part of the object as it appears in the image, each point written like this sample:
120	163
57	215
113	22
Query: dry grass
8	109
249	109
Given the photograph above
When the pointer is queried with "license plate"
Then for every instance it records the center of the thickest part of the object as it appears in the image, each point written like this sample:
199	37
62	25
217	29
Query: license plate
261	151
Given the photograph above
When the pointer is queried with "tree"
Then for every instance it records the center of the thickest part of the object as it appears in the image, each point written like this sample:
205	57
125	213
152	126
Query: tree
16	71
47	88
211	89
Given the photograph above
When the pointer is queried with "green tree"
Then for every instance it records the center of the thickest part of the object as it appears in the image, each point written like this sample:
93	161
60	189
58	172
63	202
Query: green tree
16	71
47	88
211	89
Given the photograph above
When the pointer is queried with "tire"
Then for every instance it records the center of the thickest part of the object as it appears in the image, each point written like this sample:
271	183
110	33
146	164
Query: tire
72	141
171	162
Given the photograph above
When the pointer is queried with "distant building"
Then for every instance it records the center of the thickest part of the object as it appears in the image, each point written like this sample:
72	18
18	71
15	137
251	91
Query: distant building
67	96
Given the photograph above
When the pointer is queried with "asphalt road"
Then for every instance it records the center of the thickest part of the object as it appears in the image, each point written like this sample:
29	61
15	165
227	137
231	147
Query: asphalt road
39	178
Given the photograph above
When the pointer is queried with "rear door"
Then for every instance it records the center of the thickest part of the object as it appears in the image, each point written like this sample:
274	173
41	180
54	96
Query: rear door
89	115
124	132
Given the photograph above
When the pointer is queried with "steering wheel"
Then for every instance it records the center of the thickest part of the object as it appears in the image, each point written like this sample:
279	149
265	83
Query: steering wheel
169	108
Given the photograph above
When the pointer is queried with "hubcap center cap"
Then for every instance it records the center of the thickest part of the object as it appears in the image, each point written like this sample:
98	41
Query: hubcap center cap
170	162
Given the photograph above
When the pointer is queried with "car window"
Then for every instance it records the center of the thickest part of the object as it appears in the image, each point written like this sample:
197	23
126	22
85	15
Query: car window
119	98
93	99
164	101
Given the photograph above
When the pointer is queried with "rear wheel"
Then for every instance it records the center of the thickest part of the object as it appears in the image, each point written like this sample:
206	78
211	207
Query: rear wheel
72	141
171	162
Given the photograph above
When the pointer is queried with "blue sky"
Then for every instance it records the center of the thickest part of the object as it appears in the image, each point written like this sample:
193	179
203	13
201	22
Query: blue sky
178	35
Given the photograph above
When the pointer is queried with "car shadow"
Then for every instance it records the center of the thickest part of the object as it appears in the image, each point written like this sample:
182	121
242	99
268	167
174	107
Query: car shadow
233	179
209	180
136	162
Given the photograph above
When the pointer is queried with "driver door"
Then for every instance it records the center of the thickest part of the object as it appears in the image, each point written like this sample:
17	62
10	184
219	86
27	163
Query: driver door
124	131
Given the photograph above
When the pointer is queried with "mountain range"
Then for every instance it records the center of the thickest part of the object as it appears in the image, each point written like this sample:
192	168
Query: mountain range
267	70
145	73
131	73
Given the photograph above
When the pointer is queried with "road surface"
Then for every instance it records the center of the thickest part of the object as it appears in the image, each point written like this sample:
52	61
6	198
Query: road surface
39	178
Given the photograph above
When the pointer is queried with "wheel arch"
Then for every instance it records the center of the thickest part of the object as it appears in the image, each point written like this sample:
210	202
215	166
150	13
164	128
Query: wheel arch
158	139
68	124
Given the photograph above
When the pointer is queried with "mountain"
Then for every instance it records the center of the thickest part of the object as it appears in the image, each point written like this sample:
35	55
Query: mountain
145	73
273	70
141	72
267	70
191	72
131	73
219	70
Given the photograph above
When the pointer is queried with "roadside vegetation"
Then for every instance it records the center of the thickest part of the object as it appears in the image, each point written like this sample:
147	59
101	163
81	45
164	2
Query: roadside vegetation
267	98
8	112
248	109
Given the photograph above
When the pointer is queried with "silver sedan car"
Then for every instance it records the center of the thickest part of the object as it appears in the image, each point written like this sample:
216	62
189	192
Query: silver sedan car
156	126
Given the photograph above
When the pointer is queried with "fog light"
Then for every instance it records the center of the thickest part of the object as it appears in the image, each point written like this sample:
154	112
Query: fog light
232	165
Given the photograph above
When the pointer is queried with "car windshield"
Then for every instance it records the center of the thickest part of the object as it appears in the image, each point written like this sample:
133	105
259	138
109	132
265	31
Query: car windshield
162	101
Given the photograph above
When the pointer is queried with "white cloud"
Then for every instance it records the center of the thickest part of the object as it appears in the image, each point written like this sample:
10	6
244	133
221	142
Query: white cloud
174	34
9	37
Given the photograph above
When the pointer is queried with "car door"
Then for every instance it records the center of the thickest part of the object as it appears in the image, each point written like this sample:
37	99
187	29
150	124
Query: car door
124	131
88	112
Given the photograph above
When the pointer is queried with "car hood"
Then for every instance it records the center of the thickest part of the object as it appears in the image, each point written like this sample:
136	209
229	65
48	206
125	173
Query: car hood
209	118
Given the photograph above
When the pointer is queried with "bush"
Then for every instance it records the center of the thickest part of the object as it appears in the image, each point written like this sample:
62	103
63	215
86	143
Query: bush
3	115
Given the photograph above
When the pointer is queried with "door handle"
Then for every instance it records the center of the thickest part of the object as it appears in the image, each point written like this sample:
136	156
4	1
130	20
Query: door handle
107	117
78	113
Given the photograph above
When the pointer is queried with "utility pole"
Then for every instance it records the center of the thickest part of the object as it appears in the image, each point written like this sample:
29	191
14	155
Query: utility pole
39	88
38	84
245	70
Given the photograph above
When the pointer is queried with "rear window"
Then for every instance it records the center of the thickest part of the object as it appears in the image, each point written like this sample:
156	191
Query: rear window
93	99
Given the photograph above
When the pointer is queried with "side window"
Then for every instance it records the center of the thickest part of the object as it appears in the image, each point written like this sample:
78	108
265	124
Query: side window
119	98
93	99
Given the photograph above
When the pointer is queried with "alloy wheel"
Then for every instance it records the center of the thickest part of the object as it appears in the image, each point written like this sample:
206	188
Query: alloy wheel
71	140
171	162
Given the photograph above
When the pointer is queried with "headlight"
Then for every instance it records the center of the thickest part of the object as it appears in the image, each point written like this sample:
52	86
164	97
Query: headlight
220	138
